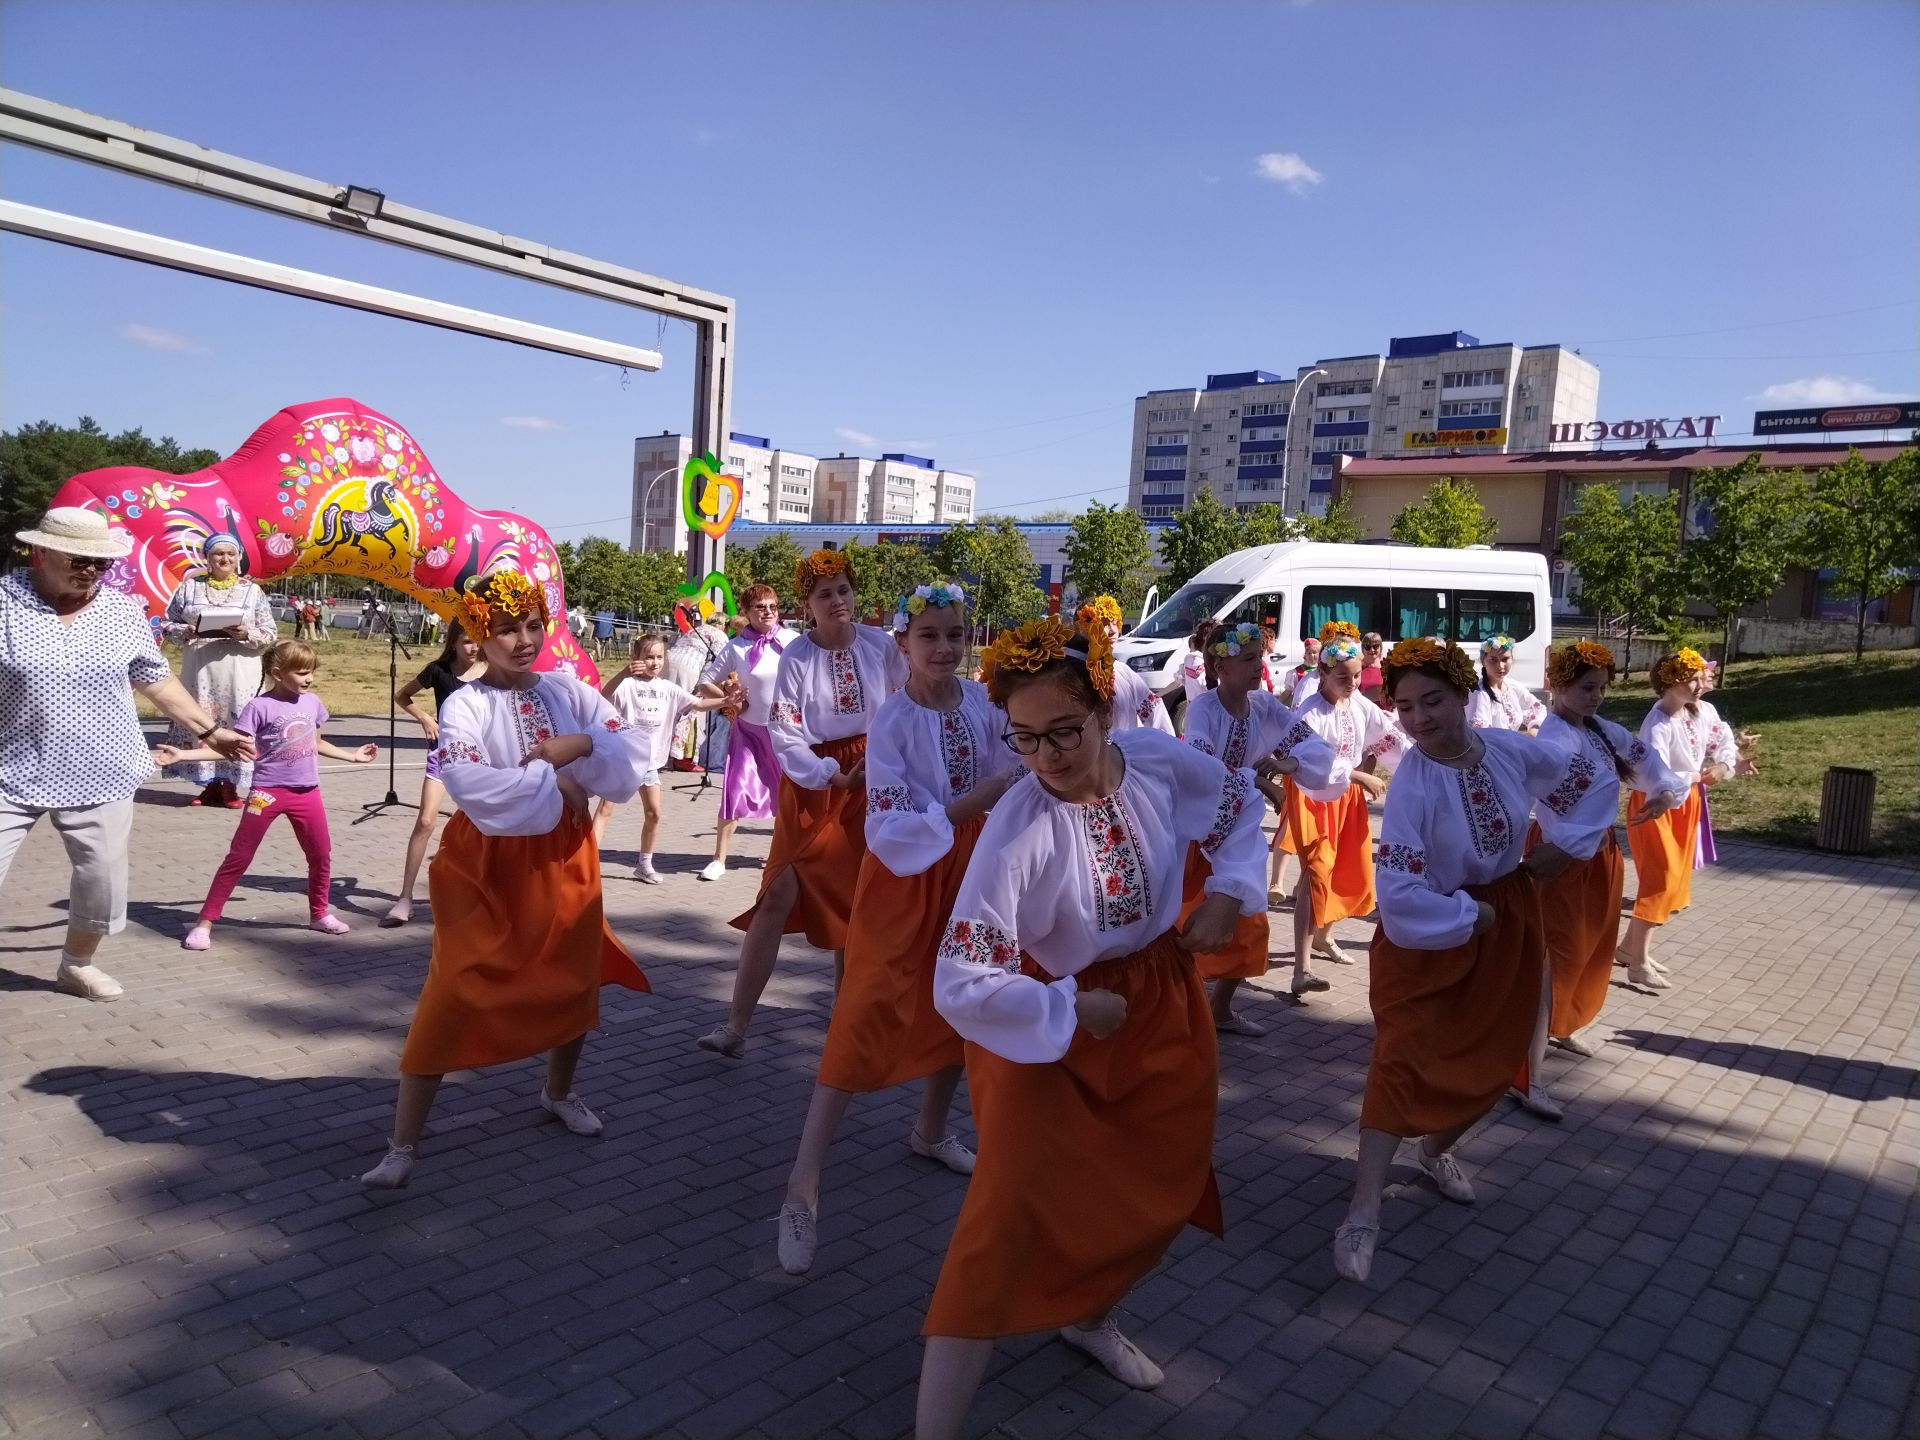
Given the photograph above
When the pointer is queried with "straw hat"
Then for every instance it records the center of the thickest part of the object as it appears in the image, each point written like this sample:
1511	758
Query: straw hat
73	531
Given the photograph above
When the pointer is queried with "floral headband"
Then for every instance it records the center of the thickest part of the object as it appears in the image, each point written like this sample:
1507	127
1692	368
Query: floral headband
1341	649
1454	666
1565	665
1502	643
1103	608
1237	640
506	592
1031	647
1334	629
946	593
817	567
1677	669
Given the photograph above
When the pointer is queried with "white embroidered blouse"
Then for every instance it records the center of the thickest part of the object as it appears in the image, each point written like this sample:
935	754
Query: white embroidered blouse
1445	829
1193	675
1514	708
1580	830
486	731
918	762
1351	731
1134	705
822	695
1238	744
1072	885
1687	742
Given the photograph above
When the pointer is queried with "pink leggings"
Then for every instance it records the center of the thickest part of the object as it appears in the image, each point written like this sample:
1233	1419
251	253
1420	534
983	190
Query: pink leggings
308	816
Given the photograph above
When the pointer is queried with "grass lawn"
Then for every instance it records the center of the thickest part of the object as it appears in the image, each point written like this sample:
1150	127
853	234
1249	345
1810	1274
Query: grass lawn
1812	712
352	677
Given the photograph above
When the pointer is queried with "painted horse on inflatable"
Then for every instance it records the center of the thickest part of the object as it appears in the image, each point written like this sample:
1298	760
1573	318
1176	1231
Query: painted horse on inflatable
326	487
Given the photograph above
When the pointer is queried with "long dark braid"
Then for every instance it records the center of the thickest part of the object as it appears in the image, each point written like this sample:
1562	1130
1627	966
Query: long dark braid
1620	766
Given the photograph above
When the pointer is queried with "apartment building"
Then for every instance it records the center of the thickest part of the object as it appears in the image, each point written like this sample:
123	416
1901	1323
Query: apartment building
776	485
896	489
1254	437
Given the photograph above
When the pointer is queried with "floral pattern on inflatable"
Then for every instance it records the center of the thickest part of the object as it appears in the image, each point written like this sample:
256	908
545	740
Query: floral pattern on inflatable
328	487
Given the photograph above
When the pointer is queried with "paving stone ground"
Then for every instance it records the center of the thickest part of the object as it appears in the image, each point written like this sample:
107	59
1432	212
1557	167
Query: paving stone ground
1719	1242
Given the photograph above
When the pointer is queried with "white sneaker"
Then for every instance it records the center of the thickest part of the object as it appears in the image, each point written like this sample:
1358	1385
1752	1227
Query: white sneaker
947	1150
572	1112
89	982
1120	1357
714	870
645	873
799	1240
1353	1250
1446	1174
393	1171
1330	949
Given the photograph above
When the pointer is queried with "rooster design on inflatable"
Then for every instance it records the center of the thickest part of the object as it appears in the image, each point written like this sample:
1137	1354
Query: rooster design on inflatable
326	487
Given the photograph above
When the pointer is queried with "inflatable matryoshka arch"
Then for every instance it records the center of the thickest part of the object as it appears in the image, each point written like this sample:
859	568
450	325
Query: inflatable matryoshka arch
325	487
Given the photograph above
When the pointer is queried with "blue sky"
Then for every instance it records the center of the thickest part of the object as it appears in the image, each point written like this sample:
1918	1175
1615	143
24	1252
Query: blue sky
977	231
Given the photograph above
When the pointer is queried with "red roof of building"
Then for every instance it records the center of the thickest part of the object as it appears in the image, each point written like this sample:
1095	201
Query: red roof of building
1699	457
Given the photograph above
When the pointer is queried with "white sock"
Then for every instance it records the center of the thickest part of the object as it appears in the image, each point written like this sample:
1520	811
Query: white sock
646	858
69	961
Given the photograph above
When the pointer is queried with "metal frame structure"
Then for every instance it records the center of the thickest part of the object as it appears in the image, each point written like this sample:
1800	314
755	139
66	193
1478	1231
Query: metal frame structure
77	135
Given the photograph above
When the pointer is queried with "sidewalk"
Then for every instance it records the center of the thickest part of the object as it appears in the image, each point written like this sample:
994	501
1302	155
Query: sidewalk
1720	1240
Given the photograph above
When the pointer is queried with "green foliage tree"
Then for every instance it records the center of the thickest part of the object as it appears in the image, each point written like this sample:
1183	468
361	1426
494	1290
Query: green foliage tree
1269	525
1198	536
1339	526
1449	515
656	578
887	571
1860	524
956	552
37	459
1750	534
1628	557
1107	554
1005	586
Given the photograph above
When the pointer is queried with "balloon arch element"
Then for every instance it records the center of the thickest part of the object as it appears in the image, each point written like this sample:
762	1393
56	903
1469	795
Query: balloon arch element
328	487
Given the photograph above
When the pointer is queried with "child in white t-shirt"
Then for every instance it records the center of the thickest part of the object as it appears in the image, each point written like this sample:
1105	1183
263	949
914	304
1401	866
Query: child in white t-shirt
654	707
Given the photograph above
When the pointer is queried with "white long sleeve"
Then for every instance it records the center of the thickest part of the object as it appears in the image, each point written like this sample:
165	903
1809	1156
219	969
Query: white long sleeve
1134	705
821	695
619	758
1717	738
1581	827
485	733
919	761
1679	744
1514	708
1238	743
1352	731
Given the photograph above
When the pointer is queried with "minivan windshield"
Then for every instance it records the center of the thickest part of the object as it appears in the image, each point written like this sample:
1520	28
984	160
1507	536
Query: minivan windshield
1189	605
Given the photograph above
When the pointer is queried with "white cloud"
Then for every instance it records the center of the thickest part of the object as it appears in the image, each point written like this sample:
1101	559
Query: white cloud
152	337
857	437
531	422
1283	167
1826	390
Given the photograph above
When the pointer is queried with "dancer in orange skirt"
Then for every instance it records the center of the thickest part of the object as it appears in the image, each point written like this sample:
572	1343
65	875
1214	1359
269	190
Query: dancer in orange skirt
1238	723
830	683
1091	1057
935	765
1684	731
1327	821
1458	959
1581	905
520	945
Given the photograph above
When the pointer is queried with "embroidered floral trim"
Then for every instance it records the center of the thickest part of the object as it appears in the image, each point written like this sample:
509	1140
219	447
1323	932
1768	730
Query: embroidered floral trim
1297	732
460	752
1487	819
1145	713
1578	780
1346	734
613	725
956	748
1637	753
1122	895
1234	753
1407	859
1233	799
888	797
848	697
979	942
532	721
783	712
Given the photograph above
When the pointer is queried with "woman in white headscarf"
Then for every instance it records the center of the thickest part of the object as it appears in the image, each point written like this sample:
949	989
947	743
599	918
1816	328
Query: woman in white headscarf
219	665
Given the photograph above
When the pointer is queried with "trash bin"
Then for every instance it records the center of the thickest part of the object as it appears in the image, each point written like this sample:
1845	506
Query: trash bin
1846	811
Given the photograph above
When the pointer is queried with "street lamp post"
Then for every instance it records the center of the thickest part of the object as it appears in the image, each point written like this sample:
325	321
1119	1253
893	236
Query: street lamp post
646	507
1286	463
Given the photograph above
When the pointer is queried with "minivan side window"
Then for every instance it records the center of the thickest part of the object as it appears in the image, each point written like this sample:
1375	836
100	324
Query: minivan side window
1365	607
1418	611
1259	609
1479	614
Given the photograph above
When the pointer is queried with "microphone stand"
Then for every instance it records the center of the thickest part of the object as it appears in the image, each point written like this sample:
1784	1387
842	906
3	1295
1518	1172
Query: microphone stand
394	650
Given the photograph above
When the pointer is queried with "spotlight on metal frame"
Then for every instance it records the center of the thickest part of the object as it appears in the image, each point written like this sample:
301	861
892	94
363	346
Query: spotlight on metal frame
357	204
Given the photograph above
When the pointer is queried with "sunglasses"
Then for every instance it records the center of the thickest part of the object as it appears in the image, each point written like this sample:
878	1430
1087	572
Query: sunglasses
97	564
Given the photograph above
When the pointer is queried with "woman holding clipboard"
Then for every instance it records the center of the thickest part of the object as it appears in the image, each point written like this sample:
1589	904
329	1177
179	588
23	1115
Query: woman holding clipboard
222	624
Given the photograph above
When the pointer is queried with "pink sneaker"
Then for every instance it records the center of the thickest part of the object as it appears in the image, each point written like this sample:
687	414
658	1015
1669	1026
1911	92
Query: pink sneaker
331	924
198	938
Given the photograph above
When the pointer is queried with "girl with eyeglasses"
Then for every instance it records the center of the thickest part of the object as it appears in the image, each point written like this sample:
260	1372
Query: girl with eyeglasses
936	763
1091	1057
1239	724
1496	703
830	684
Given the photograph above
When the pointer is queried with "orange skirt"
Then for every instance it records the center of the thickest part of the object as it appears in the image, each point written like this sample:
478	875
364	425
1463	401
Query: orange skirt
1452	1027
884	1029
1090	1165
1581	911
1334	840
1663	858
1245	957
520	948
821	835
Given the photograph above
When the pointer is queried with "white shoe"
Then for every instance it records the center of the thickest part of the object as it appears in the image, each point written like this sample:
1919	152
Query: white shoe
1353	1250
1648	979
1330	948
393	1171
714	870
572	1112
947	1150
724	1040
89	982
1574	1045
1120	1357
799	1240
1446	1174
1537	1101
646	874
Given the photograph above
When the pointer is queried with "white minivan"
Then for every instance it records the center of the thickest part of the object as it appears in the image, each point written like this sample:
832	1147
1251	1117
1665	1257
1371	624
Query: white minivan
1397	590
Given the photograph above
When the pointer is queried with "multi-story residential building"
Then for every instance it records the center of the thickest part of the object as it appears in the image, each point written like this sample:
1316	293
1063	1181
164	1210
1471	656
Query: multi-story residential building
776	485
1253	437
896	489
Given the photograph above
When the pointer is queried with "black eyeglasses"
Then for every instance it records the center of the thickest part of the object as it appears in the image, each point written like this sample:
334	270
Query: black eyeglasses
96	563
1025	742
